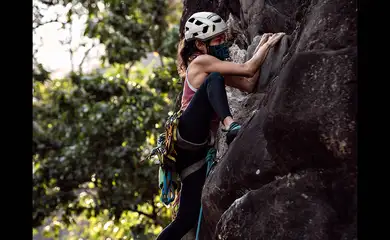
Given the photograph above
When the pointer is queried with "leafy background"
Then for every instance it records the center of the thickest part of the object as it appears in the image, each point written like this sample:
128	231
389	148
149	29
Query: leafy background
92	126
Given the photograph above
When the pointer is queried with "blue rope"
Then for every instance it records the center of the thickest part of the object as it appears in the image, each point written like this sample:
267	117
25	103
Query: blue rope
210	162
167	192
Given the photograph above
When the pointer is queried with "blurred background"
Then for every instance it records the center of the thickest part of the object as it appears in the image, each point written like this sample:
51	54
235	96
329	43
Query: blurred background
104	80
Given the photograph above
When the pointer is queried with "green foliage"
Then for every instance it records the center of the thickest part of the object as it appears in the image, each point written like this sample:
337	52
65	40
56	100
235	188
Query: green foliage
90	131
168	47
166	80
130	225
40	74
129	28
89	137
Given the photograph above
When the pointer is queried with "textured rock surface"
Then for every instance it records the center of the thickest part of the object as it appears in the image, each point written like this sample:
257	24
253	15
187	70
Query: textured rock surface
291	172
273	210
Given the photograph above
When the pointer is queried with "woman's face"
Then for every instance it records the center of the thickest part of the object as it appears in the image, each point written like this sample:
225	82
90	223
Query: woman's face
221	38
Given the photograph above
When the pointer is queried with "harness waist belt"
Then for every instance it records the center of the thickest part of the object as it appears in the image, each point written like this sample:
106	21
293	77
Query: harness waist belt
192	168
187	145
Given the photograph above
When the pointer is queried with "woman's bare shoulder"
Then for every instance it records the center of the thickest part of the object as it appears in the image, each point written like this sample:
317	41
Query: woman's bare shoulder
196	65
202	59
196	74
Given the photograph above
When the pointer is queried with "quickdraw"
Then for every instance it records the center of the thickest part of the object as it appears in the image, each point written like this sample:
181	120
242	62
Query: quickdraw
167	154
165	149
171	135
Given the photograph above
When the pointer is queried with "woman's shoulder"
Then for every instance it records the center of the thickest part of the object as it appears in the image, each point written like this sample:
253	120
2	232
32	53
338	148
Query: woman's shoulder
201	58
195	56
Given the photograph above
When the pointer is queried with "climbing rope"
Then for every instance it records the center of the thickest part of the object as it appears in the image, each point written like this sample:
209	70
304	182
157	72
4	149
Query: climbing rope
210	163
168	189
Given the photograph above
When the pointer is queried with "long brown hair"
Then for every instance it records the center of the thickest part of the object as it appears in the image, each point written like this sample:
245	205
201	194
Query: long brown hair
185	53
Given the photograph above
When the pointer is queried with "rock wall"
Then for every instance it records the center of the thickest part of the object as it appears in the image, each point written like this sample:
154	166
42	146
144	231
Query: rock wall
291	172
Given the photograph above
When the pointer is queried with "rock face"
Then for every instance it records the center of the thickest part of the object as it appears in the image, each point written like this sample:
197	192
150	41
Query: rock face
291	172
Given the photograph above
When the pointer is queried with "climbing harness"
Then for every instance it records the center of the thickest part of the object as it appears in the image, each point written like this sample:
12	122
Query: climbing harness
210	163
167	154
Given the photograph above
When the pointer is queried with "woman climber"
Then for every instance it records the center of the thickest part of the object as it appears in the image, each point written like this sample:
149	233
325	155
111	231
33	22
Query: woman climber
204	103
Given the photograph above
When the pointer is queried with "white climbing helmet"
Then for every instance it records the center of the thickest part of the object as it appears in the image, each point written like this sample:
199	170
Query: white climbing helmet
204	26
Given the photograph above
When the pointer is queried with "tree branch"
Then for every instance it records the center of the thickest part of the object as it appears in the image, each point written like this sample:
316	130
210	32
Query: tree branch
42	24
70	47
154	218
143	213
161	60
127	69
85	56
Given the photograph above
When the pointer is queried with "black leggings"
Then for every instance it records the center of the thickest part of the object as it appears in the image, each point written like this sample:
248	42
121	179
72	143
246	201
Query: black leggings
194	126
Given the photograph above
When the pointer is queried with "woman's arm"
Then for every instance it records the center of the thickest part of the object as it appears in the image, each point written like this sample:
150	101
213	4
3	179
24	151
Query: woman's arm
206	64
210	64
243	83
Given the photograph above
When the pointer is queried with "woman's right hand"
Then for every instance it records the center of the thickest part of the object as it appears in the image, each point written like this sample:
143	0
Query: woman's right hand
275	38
264	38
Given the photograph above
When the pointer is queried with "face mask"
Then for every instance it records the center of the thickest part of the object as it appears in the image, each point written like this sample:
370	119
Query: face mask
220	51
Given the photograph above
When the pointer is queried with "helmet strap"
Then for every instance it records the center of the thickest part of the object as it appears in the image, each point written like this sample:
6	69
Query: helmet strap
208	46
